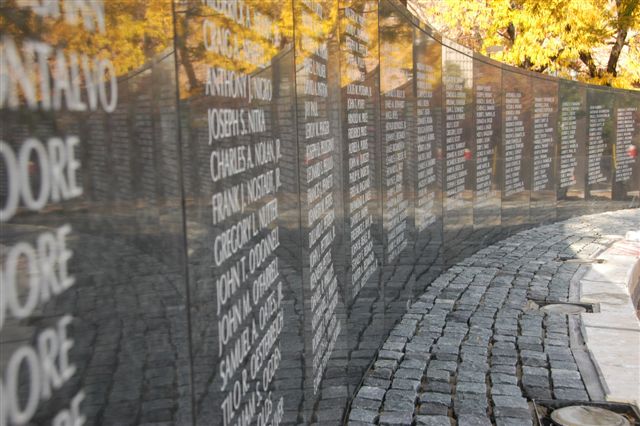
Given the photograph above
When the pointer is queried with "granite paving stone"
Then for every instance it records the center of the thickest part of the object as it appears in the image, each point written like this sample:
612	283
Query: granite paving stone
414	364
470	404
366	404
472	376
572	394
370	392
473	349
507	421
473	420
438	387
433	409
395	419
537	392
405	384
508	390
535	371
502	378
408	373
471	387
361	415
429	420
436	398
438	375
377	383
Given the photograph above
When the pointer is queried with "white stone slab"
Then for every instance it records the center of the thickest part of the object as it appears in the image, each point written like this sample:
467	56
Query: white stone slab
612	335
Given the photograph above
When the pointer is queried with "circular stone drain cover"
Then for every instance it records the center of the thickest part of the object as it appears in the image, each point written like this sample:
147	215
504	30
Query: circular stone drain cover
562	308
582	415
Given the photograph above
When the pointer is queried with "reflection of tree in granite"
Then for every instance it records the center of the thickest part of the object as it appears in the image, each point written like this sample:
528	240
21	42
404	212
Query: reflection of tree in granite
211	358
194	58
146	23
128	303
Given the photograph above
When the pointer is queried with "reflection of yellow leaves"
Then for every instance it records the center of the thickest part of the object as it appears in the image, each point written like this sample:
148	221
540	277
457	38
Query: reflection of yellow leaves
369	11
136	30
311	30
396	50
194	58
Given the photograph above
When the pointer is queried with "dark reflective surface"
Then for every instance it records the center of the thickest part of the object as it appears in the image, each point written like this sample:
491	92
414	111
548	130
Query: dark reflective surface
363	245
571	171
427	159
397	131
487	87
626	178
545	139
223	226
94	316
600	140
459	171
517	149
322	180
240	196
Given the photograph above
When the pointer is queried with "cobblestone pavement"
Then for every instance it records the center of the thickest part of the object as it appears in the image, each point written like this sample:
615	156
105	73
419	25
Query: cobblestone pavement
474	349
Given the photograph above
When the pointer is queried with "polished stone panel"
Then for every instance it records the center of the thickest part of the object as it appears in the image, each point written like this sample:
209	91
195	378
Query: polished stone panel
322	205
488	110
459	171
571	165
626	178
93	321
426	159
397	134
241	186
362	157
545	139
516	148
600	140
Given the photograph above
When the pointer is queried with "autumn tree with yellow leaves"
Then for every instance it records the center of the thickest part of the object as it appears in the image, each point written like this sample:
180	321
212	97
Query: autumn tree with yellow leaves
597	41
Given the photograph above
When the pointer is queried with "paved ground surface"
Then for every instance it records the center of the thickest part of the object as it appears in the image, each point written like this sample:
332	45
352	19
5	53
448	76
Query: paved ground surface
474	349
612	335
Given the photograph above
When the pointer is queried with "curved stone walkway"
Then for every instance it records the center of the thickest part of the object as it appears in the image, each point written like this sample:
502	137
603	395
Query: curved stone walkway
474	349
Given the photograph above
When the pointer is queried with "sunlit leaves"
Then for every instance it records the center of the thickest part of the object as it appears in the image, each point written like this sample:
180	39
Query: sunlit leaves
546	35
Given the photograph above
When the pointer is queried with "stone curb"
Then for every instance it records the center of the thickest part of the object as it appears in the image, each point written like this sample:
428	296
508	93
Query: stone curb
612	335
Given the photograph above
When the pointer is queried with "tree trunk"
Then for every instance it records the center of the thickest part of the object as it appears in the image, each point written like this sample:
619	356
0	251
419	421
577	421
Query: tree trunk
612	65
625	12
588	61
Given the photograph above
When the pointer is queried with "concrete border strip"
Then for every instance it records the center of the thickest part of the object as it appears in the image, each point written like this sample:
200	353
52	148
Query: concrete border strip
612	336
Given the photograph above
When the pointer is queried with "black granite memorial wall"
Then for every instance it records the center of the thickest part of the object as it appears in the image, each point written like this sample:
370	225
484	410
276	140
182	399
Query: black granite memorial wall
516	149
362	167
397	125
94	322
600	134
571	150
544	118
487	150
427	157
626	166
215	212
459	170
